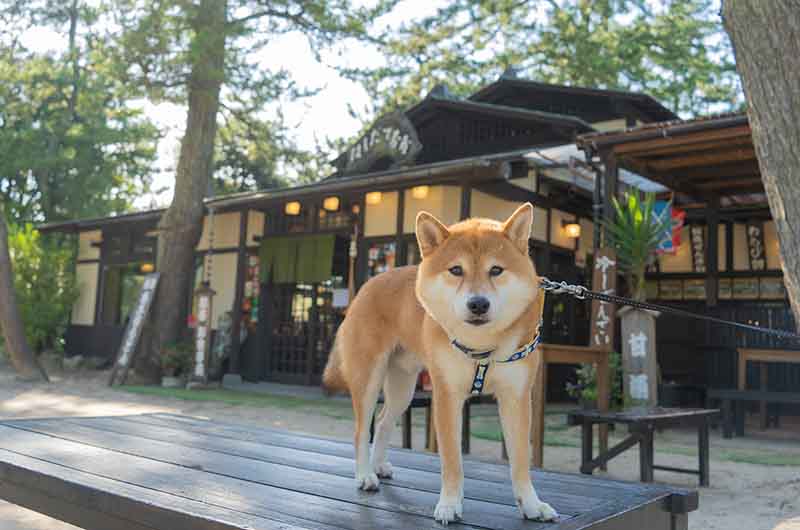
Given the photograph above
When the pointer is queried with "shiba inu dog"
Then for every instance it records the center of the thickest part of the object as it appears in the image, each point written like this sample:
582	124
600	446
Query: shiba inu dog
469	314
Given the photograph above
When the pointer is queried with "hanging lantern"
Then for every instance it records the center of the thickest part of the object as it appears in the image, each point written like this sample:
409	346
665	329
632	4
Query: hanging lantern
572	229
292	208
374	197
147	268
331	204
420	192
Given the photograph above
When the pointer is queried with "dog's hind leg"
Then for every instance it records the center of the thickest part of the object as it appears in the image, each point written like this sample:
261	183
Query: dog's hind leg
364	394
398	390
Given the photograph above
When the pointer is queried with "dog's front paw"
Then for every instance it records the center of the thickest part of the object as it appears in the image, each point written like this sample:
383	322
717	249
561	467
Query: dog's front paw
448	510
384	470
368	482
532	508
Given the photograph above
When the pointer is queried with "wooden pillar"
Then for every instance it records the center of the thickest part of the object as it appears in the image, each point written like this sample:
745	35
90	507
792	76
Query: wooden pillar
610	181
238	298
712	250
466	201
400	252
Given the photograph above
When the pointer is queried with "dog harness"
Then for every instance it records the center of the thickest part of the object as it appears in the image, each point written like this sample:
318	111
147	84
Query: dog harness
482	366
482	357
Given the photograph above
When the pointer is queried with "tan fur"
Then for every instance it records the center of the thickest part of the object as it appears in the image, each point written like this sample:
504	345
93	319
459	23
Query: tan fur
404	319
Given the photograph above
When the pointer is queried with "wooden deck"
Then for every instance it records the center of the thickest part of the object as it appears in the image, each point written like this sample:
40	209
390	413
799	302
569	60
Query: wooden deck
171	472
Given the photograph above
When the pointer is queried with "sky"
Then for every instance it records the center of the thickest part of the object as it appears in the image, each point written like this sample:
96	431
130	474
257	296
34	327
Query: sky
324	115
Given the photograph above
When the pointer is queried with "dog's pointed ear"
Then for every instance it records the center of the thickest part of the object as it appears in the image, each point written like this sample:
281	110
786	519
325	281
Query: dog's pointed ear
518	226
430	233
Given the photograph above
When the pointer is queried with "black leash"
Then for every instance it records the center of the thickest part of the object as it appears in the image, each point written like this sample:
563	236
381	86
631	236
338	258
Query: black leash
582	293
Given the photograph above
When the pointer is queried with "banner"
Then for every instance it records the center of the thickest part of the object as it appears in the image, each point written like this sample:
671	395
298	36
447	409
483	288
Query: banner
671	238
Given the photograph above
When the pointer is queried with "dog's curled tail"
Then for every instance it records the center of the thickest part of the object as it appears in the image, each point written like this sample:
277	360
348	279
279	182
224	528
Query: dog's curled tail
332	379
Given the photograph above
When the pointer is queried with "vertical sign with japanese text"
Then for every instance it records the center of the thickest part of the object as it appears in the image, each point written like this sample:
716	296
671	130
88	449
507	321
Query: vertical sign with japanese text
755	246
604	279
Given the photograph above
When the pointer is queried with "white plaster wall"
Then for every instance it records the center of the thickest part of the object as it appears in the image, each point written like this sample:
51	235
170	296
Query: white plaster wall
444	202
558	236
83	309
85	248
226	231
255	227
223	281
381	219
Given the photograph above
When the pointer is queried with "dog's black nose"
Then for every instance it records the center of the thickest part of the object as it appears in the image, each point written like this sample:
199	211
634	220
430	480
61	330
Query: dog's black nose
478	305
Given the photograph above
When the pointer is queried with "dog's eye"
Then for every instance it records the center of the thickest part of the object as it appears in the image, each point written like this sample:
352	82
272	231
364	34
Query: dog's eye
456	270
495	271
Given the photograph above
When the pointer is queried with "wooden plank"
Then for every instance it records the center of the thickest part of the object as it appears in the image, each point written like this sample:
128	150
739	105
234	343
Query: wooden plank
97	503
543	480
212	489
430	481
245	476
334	465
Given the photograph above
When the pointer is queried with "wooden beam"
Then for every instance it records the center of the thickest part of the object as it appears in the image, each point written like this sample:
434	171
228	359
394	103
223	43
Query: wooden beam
702	136
715	172
699	146
703	159
755	185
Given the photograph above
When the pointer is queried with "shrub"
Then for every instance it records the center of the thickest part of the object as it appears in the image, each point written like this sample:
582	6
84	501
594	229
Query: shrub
586	387
44	281
176	358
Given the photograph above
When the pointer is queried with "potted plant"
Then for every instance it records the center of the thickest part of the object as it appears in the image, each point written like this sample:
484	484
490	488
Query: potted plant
585	390
176	360
636	232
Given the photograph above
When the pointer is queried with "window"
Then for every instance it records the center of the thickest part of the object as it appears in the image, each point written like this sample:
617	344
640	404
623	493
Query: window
380	258
121	286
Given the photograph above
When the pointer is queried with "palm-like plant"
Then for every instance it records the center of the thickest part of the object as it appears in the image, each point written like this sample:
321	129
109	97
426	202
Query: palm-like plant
635	233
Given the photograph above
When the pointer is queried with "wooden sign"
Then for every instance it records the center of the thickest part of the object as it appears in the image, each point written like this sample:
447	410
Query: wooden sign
604	279
133	330
392	137
755	246
697	240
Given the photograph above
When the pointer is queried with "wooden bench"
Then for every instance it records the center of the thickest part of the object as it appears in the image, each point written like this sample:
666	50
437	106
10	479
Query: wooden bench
642	423
732	404
762	357
165	472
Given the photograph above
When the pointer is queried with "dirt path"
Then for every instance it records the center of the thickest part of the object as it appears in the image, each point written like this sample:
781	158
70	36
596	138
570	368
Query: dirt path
743	496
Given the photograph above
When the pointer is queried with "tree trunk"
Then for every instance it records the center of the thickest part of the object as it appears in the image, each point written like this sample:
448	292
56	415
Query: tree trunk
19	351
766	40
181	225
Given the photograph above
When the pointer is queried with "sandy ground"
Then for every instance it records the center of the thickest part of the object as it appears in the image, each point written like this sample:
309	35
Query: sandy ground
742	496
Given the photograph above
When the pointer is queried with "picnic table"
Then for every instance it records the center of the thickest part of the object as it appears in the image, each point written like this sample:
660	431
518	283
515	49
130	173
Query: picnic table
167	472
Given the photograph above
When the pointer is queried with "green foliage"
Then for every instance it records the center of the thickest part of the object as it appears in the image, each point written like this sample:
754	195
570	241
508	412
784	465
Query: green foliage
674	50
72	143
635	233
176	358
586	387
159	48
45	286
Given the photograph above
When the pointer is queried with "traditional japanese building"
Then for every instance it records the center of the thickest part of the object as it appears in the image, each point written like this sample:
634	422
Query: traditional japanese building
285	261
727	263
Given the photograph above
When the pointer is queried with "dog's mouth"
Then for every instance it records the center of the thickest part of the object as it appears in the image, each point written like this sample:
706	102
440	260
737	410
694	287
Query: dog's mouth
477	321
